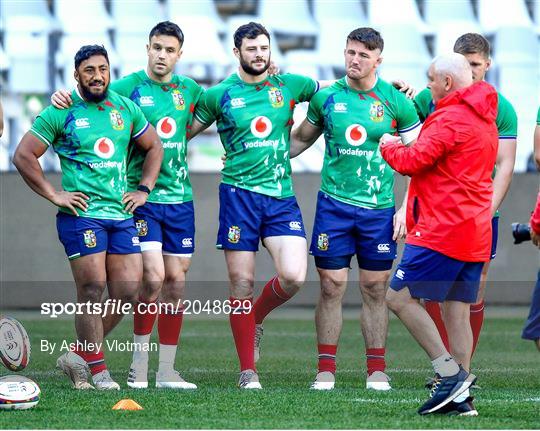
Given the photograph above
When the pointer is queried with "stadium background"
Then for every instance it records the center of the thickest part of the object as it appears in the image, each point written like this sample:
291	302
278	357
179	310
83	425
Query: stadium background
38	39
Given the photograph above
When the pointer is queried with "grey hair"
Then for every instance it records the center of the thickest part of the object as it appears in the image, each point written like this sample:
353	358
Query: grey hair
455	65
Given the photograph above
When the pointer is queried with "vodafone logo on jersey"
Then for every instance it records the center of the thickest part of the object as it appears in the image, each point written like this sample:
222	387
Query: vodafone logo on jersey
166	127
104	148
261	127
356	135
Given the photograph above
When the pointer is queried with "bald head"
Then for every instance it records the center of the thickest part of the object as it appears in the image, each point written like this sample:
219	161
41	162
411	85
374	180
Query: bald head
448	73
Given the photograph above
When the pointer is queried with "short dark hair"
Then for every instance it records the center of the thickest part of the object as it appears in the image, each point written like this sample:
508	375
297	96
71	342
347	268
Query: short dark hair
87	51
370	37
472	43
250	30
167	28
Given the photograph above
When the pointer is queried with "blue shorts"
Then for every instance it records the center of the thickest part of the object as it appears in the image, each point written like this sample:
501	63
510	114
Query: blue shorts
81	236
494	236
342	229
431	275
245	217
166	227
531	331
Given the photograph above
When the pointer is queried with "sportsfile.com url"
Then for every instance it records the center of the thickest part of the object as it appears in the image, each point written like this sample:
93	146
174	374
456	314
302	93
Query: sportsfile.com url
114	306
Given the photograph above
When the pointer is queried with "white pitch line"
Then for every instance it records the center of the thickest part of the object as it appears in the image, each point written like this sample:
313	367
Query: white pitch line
392	401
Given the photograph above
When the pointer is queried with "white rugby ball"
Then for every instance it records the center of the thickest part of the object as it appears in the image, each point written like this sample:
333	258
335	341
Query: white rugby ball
18	393
14	344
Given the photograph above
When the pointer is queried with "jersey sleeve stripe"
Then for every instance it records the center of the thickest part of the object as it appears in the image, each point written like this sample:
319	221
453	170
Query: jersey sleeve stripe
311	121
140	132
408	129
507	137
200	119
410	133
40	137
317	86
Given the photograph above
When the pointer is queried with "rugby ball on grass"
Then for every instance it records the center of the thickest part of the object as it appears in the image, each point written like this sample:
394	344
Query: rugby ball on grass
18	393
14	344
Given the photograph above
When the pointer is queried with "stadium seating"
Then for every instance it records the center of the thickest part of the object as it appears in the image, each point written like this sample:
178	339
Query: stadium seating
180	11
405	55
136	18
236	7
291	22
516	58
18	16
26	43
492	14
396	13
83	16
444	11
4	59
308	37
335	21
449	19
305	62
131	48
204	58
536	14
447	33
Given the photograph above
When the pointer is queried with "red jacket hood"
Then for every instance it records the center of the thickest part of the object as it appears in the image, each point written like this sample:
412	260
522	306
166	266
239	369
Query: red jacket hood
480	96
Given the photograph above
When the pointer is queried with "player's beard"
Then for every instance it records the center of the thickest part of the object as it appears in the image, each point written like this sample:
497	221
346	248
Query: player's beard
246	67
92	97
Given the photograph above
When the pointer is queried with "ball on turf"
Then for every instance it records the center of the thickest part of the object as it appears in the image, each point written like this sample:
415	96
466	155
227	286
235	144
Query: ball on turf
18	393
14	344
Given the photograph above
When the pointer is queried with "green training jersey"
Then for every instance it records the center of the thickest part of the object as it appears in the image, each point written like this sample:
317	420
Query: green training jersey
538	116
353	122
506	115
254	123
92	141
506	120
169	108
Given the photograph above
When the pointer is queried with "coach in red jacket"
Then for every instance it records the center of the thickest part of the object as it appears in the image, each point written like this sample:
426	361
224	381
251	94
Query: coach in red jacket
448	217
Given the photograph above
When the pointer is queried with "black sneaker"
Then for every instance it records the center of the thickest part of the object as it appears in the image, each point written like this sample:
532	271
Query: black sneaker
465	408
430	381
447	389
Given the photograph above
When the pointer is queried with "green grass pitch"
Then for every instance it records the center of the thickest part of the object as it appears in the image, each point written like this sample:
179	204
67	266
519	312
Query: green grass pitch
507	367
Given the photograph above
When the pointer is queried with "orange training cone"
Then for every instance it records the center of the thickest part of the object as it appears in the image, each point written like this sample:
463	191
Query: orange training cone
127	404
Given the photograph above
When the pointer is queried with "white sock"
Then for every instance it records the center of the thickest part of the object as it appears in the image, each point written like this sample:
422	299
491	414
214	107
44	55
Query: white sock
142	345
167	354
462	397
445	365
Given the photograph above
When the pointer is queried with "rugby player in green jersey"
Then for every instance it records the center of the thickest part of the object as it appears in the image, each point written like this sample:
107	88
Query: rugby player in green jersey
95	218
476	50
166	223
355	207
254	113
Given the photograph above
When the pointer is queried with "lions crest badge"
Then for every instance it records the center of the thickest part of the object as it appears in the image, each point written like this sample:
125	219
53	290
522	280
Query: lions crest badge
178	100
117	122
376	112
142	227
234	234
322	242
90	240
276	97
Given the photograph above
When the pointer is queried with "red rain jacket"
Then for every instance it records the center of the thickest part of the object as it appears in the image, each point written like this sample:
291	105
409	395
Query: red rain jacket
535	218
449	201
